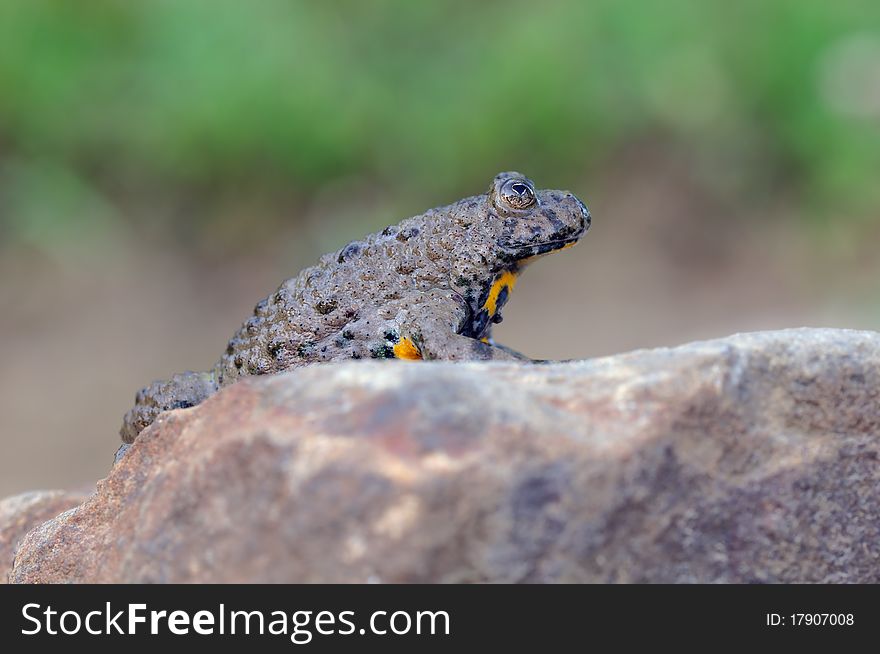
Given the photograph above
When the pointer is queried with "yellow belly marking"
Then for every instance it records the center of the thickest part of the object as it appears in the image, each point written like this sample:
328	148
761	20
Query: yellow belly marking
505	279
406	349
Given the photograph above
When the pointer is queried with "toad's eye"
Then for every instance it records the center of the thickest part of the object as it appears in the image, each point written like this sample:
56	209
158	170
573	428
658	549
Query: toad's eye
517	193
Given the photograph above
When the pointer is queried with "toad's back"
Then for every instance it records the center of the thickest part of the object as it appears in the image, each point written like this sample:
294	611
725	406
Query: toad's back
427	288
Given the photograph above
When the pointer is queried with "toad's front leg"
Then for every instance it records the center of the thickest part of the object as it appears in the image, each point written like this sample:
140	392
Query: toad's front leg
431	332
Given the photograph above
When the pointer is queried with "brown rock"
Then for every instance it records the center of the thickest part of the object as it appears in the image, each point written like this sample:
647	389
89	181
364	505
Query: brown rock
21	513
751	458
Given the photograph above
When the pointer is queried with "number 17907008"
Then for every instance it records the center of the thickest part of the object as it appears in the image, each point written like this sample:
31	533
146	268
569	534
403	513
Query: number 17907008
810	619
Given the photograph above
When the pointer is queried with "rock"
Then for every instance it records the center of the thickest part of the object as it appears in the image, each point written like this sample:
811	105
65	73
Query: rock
747	459
21	513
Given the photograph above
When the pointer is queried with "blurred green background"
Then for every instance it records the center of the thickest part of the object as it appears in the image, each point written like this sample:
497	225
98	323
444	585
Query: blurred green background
165	164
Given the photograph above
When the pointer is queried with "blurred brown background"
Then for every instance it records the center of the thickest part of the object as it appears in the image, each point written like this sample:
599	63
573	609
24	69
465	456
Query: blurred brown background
165	165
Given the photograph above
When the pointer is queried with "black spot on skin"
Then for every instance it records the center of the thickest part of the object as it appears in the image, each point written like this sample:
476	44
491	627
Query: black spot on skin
274	348
305	349
230	348
478	324
499	303
406	234
258	366
348	252
326	306
562	234
536	250
391	335
347	334
182	404
238	362
383	351
554	219
389	231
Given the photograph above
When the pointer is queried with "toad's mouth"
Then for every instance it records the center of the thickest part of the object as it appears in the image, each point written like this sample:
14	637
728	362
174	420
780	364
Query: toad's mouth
531	250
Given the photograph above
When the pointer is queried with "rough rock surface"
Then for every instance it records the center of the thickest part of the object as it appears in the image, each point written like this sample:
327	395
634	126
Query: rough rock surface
21	513
750	458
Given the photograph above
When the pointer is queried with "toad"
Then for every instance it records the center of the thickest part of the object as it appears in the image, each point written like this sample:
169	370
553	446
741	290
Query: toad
429	288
